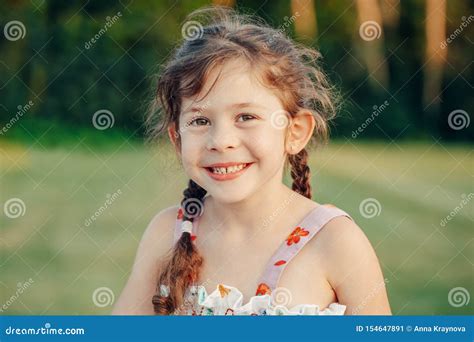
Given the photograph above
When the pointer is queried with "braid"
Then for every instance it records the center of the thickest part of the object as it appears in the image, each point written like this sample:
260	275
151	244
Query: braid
181	268
300	173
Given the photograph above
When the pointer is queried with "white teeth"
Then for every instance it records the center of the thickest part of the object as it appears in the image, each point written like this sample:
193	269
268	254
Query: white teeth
230	169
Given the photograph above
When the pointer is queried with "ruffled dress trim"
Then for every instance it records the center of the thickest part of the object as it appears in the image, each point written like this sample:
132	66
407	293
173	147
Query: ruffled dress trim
228	300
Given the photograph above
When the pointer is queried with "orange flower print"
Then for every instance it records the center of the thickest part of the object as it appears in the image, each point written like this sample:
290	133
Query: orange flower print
180	214
295	235
263	289
280	262
224	291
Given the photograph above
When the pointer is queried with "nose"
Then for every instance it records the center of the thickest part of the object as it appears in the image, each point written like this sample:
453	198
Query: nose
221	138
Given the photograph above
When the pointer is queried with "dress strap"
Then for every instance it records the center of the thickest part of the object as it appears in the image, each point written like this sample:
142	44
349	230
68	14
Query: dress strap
177	228
298	238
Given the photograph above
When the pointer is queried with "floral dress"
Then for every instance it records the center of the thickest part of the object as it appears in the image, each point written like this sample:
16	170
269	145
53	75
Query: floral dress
269	299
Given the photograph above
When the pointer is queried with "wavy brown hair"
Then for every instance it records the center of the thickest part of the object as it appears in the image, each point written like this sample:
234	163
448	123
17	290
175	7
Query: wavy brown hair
289	69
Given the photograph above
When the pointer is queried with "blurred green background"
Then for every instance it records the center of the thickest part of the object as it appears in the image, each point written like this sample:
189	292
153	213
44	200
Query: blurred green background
409	62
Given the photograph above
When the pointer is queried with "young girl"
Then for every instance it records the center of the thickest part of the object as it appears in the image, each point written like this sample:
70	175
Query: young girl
240	102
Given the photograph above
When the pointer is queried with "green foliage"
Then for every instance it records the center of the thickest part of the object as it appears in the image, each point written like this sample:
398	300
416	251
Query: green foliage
71	64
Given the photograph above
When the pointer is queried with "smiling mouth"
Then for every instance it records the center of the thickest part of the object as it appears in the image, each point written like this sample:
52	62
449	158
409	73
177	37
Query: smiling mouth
227	173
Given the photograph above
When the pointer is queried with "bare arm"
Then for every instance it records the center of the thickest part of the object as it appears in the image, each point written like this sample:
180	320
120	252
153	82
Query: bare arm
157	239
354	271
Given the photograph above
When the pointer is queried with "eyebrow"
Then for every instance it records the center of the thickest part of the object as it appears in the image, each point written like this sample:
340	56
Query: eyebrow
234	106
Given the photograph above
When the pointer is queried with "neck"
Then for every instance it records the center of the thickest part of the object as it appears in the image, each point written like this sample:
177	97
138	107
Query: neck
255	212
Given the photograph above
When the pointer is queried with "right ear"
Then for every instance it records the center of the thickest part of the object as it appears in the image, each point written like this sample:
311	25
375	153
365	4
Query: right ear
174	136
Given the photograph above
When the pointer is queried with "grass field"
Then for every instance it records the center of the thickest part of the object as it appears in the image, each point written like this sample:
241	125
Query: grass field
64	260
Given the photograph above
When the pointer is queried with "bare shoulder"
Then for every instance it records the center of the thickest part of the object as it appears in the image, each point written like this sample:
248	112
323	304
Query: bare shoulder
342	230
156	241
343	243
161	227
157	238
352	267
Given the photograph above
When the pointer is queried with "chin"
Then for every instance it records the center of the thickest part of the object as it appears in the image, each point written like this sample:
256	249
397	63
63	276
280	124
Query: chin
228	197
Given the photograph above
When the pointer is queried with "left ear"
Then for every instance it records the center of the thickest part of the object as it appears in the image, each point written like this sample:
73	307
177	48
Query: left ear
299	131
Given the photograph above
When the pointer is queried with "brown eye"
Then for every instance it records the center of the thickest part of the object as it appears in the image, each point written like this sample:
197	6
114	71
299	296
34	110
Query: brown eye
247	116
198	122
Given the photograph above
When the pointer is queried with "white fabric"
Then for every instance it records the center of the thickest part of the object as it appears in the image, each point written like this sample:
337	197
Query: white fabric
228	300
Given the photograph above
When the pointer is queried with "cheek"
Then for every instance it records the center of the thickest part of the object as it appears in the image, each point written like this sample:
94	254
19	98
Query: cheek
268	144
190	152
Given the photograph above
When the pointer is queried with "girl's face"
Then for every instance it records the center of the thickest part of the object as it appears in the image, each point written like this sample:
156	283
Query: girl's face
238	122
